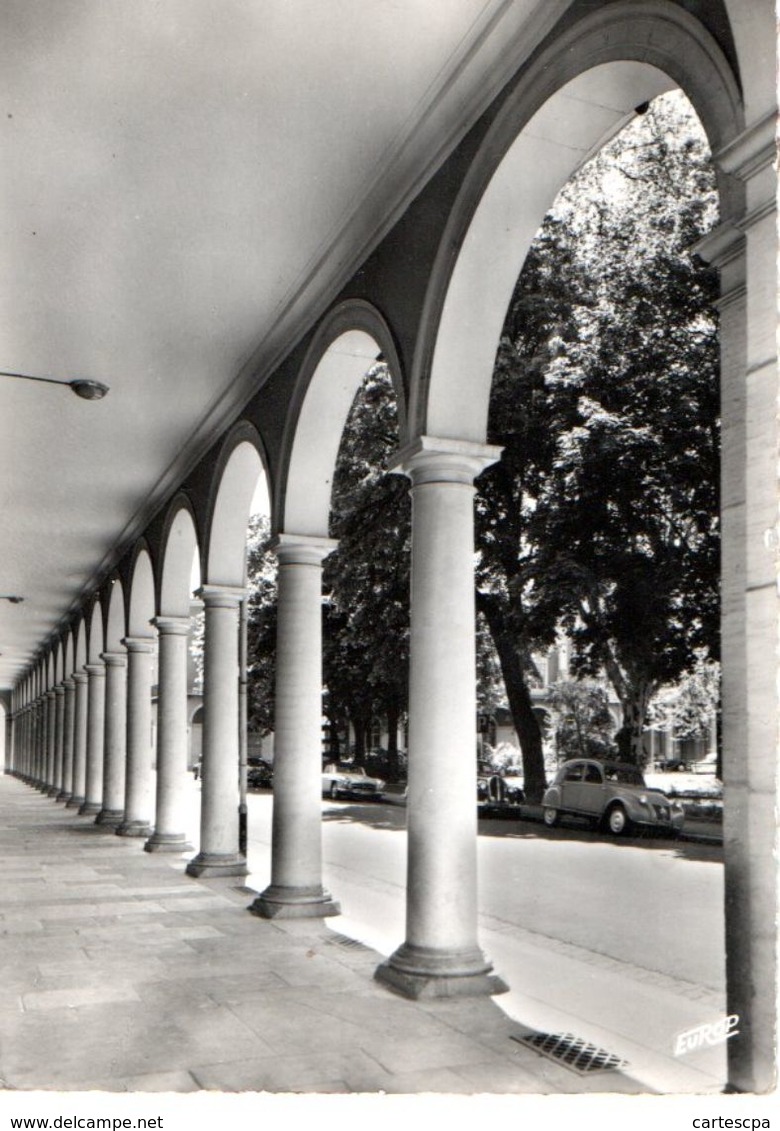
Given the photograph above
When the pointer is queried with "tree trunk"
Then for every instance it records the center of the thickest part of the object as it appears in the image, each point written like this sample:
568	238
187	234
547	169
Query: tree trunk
520	704
359	726
393	717
630	738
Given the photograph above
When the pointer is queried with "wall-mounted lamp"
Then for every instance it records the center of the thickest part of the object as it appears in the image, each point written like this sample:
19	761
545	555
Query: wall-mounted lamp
87	390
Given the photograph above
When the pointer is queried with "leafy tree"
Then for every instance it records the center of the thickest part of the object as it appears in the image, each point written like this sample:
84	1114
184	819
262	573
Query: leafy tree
602	514
630	514
688	709
261	626
522	616
581	718
366	636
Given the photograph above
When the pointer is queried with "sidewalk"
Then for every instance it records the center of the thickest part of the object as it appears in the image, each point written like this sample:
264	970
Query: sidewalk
121	974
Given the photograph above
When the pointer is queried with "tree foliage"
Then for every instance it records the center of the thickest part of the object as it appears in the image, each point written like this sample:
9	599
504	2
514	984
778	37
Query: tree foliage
602	513
581	719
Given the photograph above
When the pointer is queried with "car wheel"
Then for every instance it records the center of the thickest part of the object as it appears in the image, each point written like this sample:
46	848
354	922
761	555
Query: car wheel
334	791
617	820
550	816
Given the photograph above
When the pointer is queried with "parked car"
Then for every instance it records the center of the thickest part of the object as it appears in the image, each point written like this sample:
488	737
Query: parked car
494	787
611	794
667	765
342	780
259	774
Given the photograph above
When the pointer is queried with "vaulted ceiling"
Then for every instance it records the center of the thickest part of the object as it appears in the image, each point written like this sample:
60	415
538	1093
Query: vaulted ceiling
185	185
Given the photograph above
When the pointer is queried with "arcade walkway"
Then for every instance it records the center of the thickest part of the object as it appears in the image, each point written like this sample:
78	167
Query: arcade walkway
122	974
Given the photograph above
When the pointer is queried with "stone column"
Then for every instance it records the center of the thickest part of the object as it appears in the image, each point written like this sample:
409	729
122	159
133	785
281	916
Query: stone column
441	956
59	741
114	741
42	741
67	740
219	854
170	818
296	887
751	563
138	778
96	722
51	743
79	787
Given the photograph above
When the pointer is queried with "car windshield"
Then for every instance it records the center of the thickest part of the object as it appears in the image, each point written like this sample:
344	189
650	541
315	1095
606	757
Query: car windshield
624	775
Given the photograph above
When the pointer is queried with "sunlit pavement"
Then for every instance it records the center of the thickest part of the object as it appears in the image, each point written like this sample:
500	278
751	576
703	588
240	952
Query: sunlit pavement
627	962
122	974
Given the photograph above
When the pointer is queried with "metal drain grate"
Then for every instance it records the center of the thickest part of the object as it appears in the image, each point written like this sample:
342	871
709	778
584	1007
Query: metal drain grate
346	942
579	1055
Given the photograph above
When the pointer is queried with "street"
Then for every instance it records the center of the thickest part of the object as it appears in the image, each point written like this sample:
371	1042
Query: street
617	941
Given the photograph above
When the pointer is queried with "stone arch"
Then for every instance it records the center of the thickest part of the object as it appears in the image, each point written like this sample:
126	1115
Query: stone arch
753	27
59	661
347	342
179	546
80	645
95	637
140	610
69	654
576	95
241	465
115	618
50	678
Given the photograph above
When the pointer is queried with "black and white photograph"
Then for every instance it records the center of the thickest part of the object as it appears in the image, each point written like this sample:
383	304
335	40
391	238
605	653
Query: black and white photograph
389	594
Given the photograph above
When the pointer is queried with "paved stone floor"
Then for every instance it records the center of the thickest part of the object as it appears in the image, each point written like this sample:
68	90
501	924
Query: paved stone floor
121	974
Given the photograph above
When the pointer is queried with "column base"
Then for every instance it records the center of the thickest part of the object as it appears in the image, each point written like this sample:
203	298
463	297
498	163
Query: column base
278	902
217	864
110	818
90	809
52	791
63	795
427	972
167	842
74	803
134	828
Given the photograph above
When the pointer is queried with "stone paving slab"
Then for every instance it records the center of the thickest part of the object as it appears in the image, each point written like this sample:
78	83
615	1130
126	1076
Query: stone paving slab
121	974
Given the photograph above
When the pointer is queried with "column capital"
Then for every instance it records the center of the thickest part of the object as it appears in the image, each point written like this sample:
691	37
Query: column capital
722	245
430	459
79	677
302	549
172	626
222	596
144	644
96	670
51	694
114	659
751	151
68	683
59	689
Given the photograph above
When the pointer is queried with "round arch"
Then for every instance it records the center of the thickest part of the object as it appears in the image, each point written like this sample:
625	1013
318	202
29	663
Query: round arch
80	645
347	343
95	636
575	97
95	633
140	611
240	469
59	661
179	546
115	619
69	653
